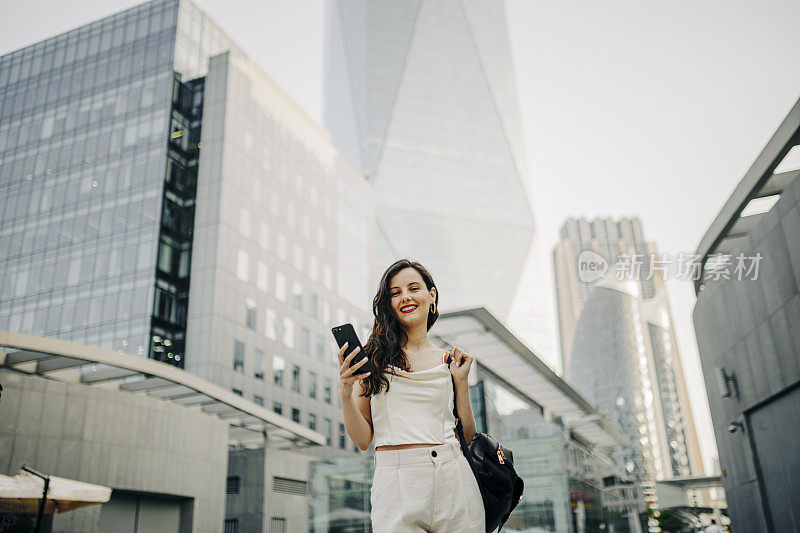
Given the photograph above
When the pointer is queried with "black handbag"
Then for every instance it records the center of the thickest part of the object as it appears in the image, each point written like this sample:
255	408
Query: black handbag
493	467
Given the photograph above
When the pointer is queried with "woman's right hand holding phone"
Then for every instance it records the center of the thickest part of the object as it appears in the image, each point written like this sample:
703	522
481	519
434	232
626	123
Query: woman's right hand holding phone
347	378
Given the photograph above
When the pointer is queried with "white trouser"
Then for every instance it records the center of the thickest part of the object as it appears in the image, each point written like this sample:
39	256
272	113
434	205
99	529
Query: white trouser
429	489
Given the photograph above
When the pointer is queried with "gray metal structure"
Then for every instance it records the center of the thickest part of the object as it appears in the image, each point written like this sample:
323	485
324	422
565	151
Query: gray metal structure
519	368
748	335
93	366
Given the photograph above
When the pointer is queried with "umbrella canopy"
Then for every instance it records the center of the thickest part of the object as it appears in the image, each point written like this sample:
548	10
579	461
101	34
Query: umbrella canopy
23	492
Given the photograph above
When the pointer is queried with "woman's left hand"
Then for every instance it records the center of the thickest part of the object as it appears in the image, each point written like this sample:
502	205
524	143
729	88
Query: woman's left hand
460	364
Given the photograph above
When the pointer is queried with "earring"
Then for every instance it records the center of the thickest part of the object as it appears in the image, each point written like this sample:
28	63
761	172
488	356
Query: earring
433	308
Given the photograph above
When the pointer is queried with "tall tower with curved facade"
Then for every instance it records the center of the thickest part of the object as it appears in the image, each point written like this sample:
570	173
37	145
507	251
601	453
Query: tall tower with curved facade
421	97
620	350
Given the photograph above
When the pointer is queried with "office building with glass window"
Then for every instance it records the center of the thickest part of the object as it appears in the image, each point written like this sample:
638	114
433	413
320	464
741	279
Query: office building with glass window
161	196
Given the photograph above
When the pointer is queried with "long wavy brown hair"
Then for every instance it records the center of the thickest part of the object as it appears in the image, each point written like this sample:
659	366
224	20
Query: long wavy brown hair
387	338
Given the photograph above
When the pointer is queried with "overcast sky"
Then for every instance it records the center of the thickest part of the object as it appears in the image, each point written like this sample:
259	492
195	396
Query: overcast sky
629	108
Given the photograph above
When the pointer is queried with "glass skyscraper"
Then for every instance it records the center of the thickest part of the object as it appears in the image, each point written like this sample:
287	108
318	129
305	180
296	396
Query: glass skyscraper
84	123
421	98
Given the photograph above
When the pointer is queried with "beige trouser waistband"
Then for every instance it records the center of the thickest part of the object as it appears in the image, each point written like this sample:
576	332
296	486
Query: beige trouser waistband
409	456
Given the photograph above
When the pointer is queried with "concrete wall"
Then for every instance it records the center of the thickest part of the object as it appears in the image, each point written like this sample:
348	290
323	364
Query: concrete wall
125	441
247	506
751	328
257	503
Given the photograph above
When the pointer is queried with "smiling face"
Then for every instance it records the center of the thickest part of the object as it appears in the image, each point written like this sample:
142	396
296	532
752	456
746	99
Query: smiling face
410	298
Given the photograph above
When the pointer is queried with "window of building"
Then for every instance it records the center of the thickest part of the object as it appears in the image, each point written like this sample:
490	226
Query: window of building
306	226
290	215
266	158
328	426
327	390
263	235
288	332
244	222
258	400
280	286
305	341
231	525
326	313
238	356
321	235
261	276
312	421
274	206
297	296
271	324
296	414
242	267
312	385
281	247
250	313
320	348
277	407
313	304
313	267
341	436
278	364
237	392
258	366
327	277
256	189
295	378
298	257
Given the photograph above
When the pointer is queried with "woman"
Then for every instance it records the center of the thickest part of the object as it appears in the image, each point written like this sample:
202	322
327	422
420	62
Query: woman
422	480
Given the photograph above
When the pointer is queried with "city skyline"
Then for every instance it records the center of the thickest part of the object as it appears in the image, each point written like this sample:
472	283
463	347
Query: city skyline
584	86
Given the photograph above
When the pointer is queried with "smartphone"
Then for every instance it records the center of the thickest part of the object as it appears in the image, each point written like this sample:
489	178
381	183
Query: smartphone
346	333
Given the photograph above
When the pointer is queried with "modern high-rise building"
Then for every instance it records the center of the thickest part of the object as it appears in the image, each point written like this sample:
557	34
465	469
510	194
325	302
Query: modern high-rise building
607	238
160	195
619	345
421	98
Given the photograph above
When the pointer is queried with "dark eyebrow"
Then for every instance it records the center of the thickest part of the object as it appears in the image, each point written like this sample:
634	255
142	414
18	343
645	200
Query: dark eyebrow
410	283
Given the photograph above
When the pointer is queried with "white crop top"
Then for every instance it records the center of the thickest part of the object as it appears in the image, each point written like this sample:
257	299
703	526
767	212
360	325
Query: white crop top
418	408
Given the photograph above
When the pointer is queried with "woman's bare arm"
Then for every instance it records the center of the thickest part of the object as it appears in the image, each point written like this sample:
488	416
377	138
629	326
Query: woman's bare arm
357	416
464	409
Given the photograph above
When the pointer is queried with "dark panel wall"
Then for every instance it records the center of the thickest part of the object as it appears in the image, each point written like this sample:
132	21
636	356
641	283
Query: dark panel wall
751	328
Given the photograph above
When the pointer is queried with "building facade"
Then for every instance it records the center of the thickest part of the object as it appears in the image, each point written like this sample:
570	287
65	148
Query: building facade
161	196
421	98
747	336
84	123
115	220
621	347
156	435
